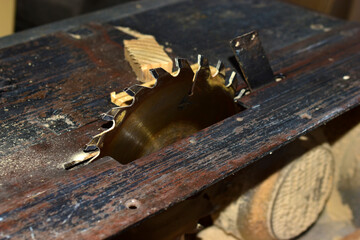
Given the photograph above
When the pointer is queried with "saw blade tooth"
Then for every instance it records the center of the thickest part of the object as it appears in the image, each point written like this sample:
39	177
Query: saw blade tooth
133	90
81	157
184	72
232	81
158	73
110	115
107	117
182	63
90	147
202	61
201	77
240	94
129	92
220	67
94	141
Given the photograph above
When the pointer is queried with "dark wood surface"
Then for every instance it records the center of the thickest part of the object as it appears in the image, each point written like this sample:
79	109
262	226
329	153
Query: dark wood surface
54	87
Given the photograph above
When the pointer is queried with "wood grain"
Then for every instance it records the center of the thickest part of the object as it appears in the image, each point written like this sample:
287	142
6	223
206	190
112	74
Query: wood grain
58	77
173	174
145	53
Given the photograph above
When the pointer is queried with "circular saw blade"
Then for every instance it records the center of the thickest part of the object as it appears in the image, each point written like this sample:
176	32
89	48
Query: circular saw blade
175	107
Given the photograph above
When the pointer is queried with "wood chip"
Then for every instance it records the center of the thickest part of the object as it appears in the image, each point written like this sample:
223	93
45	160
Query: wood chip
144	54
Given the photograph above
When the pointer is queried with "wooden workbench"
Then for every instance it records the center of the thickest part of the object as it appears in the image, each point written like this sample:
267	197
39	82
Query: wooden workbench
55	82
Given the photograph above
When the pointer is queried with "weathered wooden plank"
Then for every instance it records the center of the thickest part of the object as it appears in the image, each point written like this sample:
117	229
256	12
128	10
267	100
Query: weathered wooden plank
53	88
61	81
115	12
89	202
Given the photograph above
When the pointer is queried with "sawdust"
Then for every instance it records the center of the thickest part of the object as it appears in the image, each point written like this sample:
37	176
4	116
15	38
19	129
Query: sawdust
214	233
11	165
305	116
319	27
337	210
346	77
76	36
169	50
54	122
57	117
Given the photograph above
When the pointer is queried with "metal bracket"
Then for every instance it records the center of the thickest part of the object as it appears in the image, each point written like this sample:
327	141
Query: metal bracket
252	60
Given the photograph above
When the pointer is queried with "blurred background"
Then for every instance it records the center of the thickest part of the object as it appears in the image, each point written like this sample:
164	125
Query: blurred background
18	15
